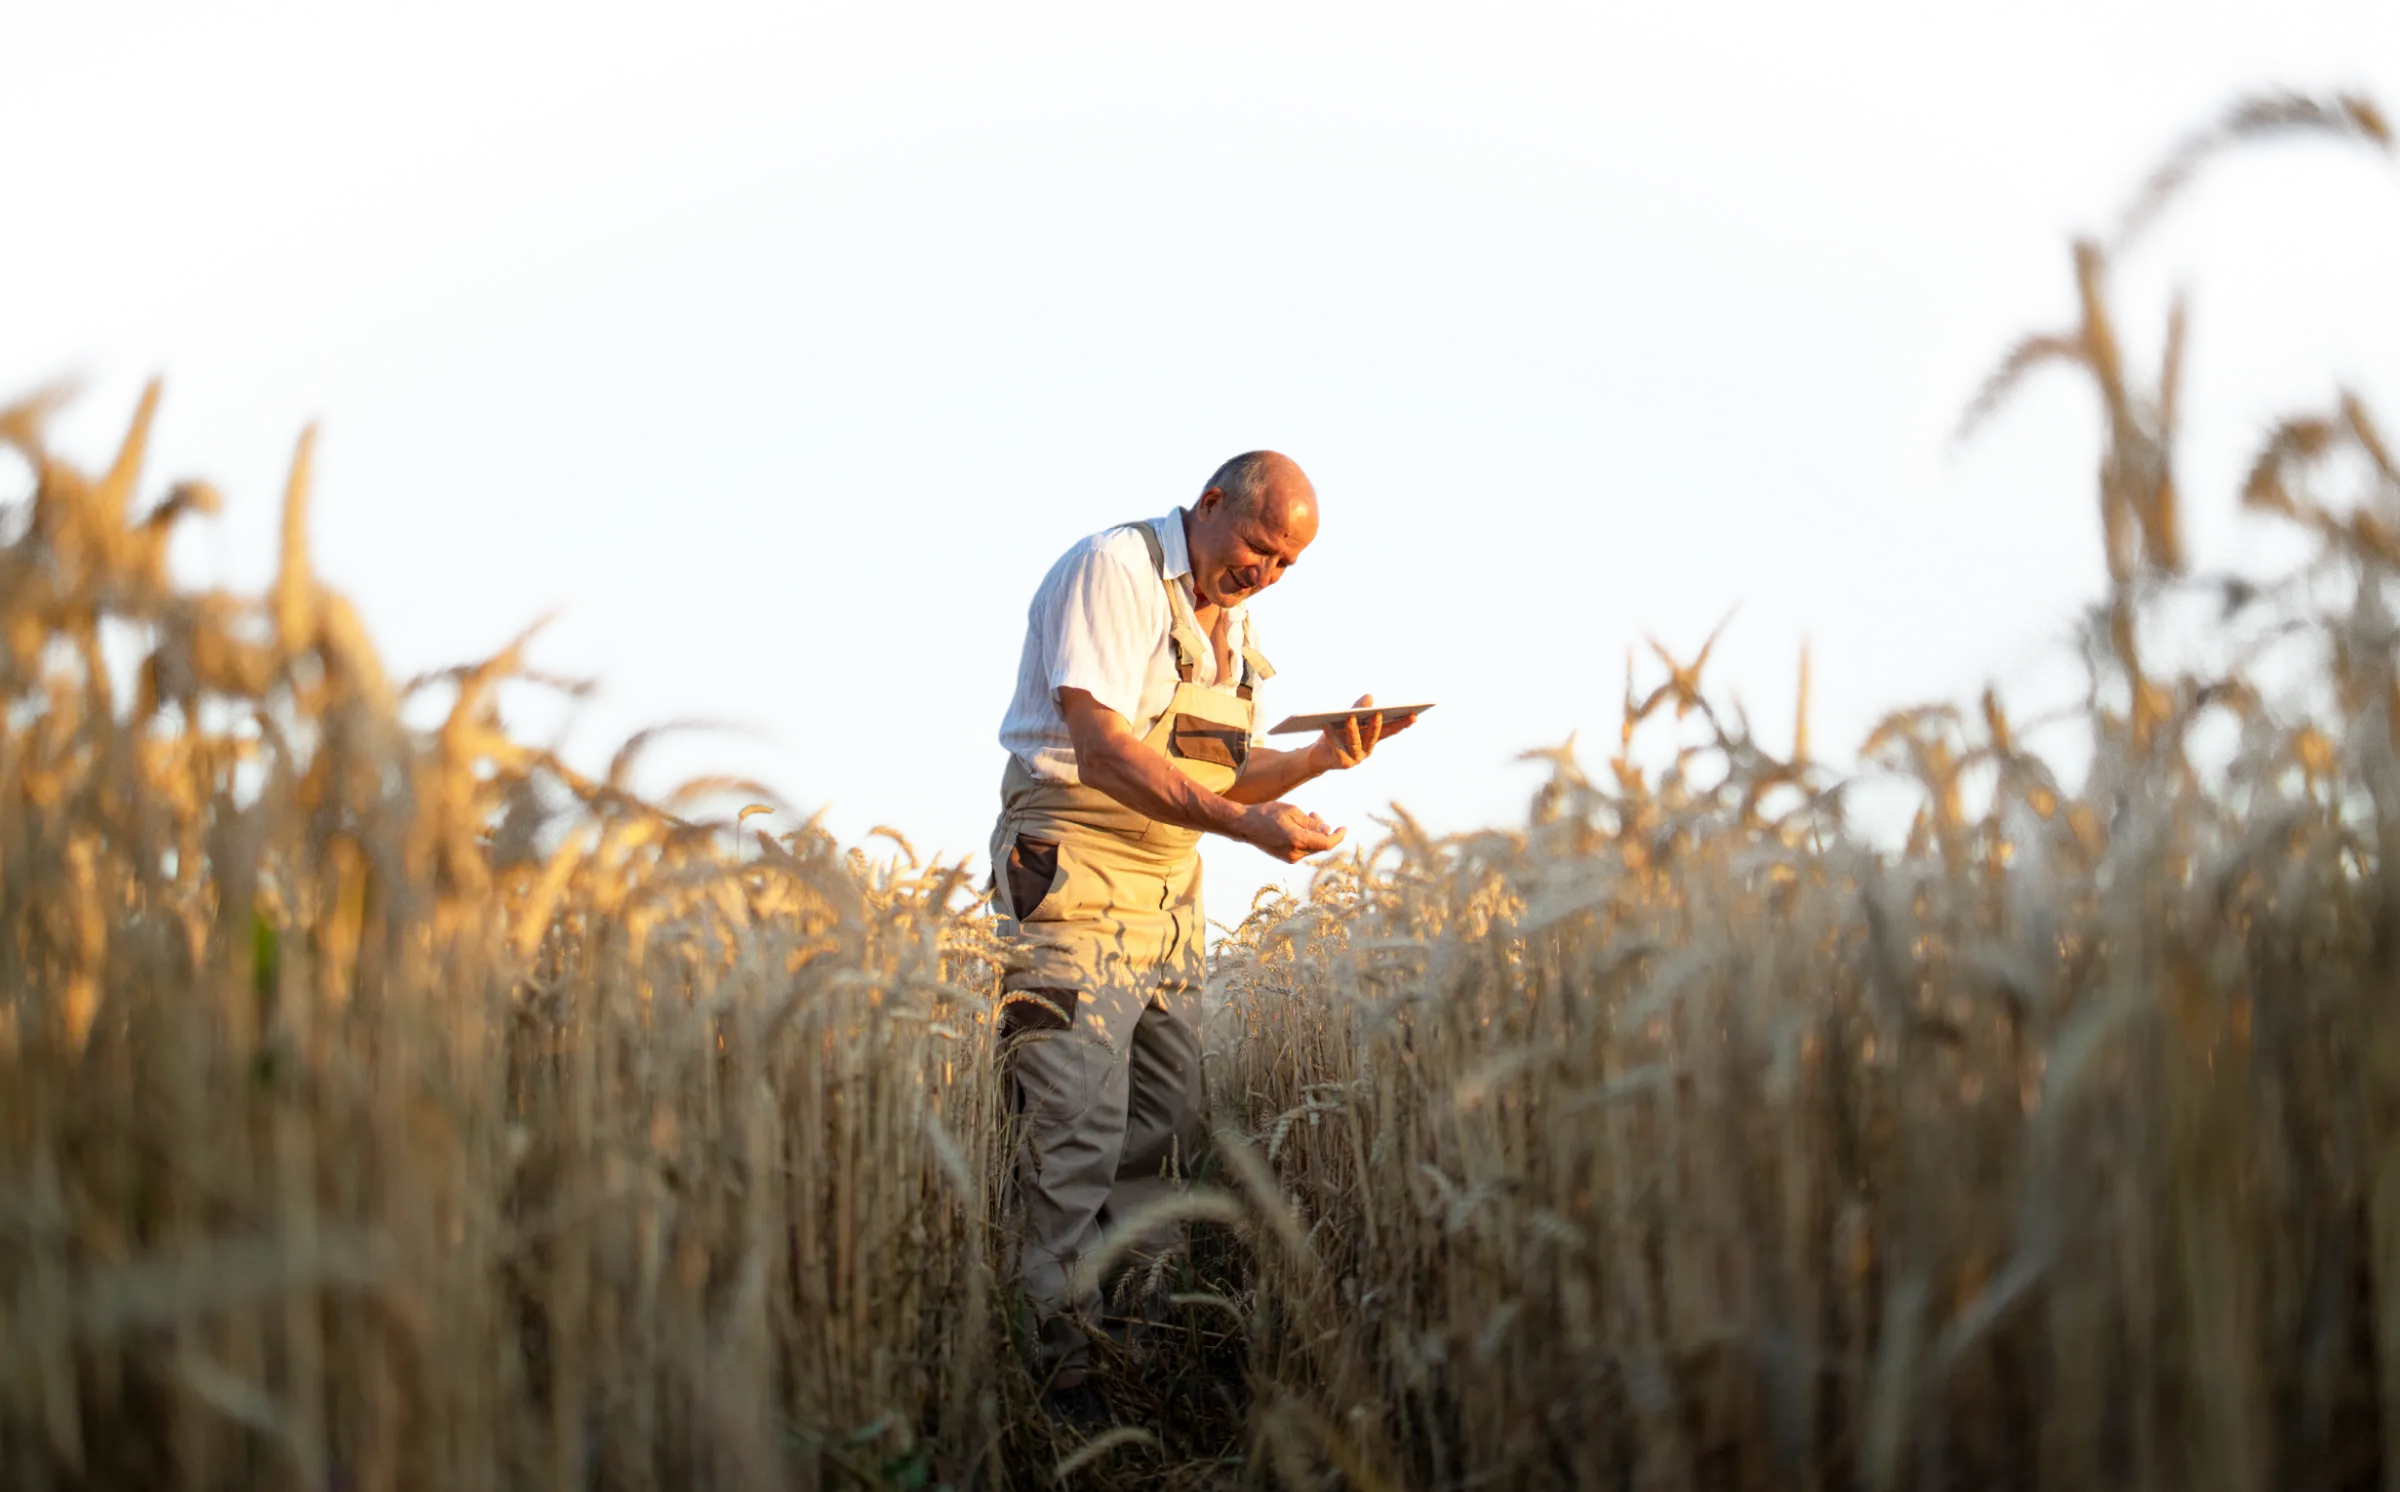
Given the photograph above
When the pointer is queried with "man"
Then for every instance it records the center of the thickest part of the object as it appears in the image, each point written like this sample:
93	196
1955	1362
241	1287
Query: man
1134	731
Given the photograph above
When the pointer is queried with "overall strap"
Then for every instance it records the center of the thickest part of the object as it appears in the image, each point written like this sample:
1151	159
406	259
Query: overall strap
1256	670
1183	630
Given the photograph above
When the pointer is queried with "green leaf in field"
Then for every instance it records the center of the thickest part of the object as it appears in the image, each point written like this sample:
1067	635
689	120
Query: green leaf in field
908	1472
266	956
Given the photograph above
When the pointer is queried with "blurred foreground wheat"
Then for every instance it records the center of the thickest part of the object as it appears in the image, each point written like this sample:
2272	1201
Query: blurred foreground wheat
396	1108
1679	1139
391	1108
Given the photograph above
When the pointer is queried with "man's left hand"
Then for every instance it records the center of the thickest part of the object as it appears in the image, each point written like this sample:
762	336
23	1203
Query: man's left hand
1352	741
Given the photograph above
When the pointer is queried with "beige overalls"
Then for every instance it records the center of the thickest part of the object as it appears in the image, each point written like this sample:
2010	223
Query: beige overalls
1100	913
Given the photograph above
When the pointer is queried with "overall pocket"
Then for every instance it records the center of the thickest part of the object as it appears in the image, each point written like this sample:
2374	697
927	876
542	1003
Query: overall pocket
1198	740
1031	874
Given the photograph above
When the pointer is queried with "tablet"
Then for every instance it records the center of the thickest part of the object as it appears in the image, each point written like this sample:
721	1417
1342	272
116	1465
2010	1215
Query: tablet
1336	717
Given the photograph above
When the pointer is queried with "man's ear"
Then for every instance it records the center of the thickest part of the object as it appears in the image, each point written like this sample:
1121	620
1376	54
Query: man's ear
1208	502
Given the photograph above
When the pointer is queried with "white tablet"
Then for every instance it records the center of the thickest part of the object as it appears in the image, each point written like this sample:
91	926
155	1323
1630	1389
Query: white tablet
1336	717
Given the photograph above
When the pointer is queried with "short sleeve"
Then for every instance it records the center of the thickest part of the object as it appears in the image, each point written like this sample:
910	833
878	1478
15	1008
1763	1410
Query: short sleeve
1102	632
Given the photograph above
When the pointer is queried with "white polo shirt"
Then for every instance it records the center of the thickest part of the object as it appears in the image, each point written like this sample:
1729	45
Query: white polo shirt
1100	623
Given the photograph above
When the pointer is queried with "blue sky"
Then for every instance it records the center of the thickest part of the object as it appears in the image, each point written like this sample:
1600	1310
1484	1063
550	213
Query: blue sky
795	341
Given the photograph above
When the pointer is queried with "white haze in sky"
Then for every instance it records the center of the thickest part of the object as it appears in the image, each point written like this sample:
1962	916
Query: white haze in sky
2324	221
1957	73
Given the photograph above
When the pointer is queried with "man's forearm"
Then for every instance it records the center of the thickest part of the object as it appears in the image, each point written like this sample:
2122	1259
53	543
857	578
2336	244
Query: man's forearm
1143	781
1270	774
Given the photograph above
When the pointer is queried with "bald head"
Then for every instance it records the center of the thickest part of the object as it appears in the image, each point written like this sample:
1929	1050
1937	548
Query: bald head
1249	525
1264	482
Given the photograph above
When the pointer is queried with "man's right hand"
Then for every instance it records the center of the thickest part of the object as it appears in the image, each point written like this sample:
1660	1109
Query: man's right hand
1289	834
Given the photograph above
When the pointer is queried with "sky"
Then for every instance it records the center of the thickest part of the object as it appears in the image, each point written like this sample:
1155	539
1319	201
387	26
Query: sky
777	351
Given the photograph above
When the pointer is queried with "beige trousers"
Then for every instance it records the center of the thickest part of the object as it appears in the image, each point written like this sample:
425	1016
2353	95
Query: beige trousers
1102	922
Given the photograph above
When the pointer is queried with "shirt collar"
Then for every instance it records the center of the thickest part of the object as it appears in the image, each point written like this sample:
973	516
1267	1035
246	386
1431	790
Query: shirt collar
1178	555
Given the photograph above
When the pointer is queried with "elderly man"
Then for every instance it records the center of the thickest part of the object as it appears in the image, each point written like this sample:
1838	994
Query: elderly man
1134	731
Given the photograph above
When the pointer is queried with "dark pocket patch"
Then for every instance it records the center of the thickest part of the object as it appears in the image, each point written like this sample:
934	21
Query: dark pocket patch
1198	740
1032	868
1023	1010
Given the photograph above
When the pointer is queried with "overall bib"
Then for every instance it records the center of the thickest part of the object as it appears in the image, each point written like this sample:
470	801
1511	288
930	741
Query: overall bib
1100	915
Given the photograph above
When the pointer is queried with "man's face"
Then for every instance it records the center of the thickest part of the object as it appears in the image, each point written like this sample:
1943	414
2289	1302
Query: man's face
1236	553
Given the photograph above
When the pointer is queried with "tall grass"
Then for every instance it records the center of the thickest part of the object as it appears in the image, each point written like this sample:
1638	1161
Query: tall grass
393	1108
1680	1139
390	1108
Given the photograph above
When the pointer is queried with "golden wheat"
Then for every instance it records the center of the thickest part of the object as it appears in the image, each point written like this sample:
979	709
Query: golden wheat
385	1108
1666	1144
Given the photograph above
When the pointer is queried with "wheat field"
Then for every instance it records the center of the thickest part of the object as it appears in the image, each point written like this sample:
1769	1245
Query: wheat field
397	1108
